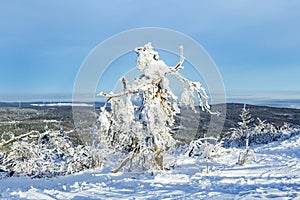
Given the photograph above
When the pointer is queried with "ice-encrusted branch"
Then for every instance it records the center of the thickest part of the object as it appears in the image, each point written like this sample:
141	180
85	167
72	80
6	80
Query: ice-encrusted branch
189	85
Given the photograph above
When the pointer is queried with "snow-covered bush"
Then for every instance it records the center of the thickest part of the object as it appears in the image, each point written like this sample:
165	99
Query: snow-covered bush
43	155
206	148
264	132
140	117
259	133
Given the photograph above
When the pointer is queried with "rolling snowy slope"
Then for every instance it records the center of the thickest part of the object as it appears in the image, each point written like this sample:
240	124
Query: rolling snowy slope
274	172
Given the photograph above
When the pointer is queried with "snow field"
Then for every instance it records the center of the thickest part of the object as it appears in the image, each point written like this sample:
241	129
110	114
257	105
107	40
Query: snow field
273	173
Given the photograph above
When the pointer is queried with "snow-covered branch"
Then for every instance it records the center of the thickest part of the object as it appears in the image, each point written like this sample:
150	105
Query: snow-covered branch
18	138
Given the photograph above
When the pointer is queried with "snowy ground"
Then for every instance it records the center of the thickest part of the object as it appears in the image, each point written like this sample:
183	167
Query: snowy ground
275	173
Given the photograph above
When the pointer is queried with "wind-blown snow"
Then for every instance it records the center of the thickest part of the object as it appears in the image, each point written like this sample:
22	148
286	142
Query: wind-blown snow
275	173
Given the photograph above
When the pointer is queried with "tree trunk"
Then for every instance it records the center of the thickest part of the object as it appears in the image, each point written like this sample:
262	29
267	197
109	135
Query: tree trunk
158	157
129	158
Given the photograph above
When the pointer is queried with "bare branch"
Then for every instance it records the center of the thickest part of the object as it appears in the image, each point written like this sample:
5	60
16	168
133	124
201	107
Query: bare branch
124	82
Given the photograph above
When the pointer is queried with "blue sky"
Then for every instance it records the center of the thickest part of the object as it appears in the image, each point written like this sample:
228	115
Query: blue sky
255	44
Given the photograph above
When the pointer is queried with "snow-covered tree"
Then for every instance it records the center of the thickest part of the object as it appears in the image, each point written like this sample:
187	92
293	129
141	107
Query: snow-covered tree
140	117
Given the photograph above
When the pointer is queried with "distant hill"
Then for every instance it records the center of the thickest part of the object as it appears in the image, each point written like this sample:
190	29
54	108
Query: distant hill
194	125
188	126
277	116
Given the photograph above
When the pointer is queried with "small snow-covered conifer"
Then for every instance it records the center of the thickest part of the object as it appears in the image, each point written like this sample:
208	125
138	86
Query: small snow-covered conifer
243	129
244	132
